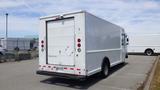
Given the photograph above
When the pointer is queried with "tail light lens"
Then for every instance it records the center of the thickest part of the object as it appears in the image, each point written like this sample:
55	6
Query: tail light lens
79	45
79	50
42	45
42	41
78	40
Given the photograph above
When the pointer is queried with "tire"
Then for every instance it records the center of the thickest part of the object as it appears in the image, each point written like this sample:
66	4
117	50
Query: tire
149	52
105	69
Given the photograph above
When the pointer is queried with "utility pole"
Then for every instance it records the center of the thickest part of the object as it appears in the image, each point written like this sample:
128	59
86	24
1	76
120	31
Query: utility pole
6	25
6	30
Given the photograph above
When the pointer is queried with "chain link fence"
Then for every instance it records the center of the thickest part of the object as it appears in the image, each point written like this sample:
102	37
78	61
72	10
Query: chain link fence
17	49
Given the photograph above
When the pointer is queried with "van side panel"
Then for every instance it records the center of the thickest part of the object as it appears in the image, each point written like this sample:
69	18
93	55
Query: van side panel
103	39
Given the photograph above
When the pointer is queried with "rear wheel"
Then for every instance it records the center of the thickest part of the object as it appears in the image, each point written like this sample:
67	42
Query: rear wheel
105	69
149	52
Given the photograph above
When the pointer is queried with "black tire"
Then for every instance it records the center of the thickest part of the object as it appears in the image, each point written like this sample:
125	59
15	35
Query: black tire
149	52
105	69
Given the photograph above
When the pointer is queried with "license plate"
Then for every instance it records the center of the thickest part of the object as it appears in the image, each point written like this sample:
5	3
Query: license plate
59	68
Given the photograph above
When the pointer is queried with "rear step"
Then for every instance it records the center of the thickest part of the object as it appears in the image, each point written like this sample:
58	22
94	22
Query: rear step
62	75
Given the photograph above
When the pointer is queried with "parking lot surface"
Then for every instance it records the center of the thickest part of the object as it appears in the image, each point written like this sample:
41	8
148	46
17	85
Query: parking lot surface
128	76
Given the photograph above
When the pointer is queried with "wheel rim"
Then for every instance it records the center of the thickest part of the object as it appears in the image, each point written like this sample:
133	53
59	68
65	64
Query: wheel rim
149	53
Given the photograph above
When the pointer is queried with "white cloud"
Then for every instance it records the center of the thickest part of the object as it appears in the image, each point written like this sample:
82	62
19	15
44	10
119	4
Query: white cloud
133	15
151	5
9	4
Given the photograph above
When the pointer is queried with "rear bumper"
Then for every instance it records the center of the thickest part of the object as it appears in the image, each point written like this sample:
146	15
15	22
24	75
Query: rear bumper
62	75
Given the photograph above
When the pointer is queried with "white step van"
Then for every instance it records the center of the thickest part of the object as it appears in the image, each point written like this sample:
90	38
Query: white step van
148	44
79	44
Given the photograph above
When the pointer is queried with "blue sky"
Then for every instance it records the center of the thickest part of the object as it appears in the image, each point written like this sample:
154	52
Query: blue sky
135	16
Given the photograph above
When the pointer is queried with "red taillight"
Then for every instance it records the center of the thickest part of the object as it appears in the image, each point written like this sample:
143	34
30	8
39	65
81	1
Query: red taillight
78	69
42	45
42	41
78	40
79	45
71	68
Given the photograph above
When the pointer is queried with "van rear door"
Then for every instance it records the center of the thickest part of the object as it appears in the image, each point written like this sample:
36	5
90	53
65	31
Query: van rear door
60	42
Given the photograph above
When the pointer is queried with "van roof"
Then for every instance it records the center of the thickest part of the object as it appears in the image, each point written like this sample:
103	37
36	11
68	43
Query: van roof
62	14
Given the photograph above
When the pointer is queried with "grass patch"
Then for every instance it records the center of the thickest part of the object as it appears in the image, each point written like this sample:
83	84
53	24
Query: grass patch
155	83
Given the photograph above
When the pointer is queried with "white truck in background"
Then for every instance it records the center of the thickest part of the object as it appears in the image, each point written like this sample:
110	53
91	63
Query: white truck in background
144	43
79	44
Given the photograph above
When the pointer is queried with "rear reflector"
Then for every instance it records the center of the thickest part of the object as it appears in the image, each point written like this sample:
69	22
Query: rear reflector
79	50
65	68
71	68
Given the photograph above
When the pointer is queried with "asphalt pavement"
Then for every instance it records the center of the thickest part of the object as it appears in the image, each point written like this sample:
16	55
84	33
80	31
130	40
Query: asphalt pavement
22	76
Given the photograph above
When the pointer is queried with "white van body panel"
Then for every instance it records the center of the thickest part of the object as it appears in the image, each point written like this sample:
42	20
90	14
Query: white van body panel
61	52
61	44
103	39
140	42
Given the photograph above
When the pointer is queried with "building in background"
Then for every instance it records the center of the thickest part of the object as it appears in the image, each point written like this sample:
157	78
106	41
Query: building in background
19	43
